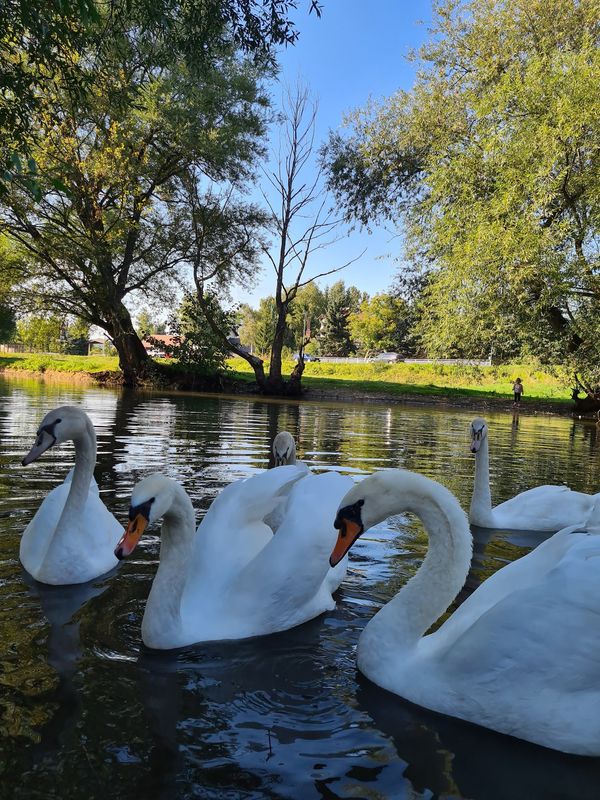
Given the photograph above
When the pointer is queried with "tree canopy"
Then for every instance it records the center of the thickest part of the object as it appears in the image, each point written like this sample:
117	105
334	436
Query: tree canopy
492	163
104	221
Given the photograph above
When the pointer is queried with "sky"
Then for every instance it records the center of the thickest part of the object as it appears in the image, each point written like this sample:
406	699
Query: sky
358	49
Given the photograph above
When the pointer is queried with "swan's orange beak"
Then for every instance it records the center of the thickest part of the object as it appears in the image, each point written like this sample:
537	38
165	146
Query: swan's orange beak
131	537
349	523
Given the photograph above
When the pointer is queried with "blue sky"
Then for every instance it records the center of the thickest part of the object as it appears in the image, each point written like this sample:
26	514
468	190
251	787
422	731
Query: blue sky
358	49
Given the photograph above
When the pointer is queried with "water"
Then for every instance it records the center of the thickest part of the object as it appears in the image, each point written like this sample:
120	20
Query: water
85	709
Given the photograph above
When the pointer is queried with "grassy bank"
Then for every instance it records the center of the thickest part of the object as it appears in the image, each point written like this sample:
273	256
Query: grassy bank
441	380
453	382
50	362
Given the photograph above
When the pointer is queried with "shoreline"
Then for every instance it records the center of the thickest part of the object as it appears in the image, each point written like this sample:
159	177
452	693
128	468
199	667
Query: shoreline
311	394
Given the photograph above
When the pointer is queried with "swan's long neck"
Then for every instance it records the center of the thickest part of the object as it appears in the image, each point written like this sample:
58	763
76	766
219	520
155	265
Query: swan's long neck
85	461
481	501
163	607
404	620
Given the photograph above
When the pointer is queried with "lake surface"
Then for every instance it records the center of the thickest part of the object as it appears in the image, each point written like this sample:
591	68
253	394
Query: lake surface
86	710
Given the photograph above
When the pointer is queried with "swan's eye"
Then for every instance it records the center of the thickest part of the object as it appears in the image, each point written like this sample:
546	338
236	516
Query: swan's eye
142	508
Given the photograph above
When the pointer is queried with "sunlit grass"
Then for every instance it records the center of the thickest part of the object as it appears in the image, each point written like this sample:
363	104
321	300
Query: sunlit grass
430	379
393	379
42	362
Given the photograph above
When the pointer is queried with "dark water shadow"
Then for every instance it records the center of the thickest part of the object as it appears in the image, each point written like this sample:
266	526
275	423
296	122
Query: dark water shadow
448	756
61	605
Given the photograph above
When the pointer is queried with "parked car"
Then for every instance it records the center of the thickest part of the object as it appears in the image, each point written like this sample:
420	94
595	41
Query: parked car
307	357
389	358
154	353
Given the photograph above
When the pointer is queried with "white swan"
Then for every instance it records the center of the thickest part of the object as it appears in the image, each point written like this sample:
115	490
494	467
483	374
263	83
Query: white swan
543	508
519	656
284	449
72	537
232	578
284	452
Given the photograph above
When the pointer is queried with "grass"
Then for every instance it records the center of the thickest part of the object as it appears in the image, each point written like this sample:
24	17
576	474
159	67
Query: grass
41	362
428	379
441	380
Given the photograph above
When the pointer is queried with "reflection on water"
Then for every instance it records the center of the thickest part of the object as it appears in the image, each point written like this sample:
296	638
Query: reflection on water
84	705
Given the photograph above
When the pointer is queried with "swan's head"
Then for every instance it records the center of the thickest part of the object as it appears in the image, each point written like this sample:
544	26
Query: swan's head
478	433
58	426
373	499
284	449
151	499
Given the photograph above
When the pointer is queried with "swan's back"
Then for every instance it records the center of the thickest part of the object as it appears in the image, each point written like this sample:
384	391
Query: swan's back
527	664
544	508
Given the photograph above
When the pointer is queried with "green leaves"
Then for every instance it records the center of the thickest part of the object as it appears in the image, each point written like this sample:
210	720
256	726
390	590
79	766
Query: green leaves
491	162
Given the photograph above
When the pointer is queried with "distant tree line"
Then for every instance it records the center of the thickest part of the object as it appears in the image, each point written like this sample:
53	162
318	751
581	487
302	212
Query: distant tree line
338	320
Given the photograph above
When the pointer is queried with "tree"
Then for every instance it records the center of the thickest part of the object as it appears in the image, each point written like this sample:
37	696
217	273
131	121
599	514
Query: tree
41	332
265	325
302	223
334	334
9	275
492	161
144	324
164	96
39	40
106	224
305	317
381	323
194	345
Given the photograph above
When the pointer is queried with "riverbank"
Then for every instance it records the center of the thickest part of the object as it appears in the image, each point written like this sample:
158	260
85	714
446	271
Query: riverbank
471	387
476	388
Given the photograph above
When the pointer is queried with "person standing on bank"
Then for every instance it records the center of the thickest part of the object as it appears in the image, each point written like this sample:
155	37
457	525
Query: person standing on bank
517	391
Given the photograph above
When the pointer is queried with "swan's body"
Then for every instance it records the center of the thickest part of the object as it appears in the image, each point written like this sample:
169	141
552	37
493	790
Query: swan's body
233	578
519	656
71	538
543	508
284	449
284	452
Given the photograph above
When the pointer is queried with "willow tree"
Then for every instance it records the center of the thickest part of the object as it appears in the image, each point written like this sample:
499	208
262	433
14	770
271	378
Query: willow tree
491	162
165	92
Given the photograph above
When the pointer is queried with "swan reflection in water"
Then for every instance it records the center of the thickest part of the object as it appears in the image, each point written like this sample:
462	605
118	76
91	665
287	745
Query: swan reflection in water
449	757
61	606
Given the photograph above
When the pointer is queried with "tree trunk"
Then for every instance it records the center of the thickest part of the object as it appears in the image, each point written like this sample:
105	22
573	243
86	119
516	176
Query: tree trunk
275	381
134	361
294	384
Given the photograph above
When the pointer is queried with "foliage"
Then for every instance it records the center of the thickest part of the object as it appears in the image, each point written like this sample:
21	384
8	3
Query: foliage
107	220
381	323
53	333
8	323
492	162
42	40
195	345
126	107
334	333
40	332
305	315
144	324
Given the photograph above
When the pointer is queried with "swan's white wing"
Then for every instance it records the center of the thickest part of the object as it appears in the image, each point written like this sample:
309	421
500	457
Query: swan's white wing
528	665
40	530
519	574
544	508
286	583
82	552
233	531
